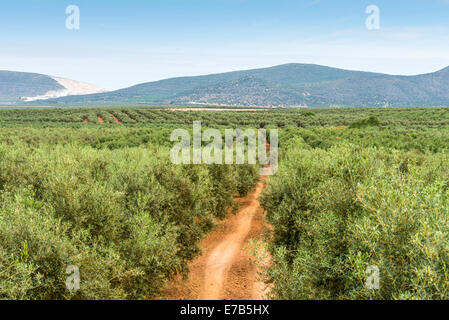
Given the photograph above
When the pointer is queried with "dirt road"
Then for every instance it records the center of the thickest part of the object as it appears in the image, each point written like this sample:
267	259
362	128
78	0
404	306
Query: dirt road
226	270
117	121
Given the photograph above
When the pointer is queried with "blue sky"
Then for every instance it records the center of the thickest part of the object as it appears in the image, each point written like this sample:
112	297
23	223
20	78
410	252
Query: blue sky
122	43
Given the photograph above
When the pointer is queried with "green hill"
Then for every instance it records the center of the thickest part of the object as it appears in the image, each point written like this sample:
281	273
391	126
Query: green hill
285	85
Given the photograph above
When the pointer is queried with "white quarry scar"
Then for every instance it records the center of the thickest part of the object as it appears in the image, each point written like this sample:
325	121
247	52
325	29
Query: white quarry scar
71	88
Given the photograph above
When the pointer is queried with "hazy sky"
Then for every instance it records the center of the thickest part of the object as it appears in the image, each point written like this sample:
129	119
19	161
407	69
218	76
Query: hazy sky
122	43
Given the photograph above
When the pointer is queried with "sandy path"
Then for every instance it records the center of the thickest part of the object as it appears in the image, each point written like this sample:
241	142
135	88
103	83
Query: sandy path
226	270
117	121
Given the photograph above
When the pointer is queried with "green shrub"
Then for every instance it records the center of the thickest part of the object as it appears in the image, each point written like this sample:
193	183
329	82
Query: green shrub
128	218
372	121
337	212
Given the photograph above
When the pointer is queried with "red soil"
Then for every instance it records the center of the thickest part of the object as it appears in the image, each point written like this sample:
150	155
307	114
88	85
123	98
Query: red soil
226	270
100	119
117	121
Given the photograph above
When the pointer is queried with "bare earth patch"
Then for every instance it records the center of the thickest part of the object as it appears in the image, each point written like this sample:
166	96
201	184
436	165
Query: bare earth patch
226	270
117	121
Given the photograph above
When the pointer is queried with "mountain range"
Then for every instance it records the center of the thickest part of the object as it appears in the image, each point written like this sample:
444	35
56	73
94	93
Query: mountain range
289	85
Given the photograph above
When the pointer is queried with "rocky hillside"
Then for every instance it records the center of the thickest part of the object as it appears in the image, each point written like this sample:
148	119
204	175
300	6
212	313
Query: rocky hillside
285	85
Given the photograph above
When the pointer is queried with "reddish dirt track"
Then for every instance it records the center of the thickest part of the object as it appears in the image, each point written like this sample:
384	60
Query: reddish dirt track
100	119
226	270
85	120
117	121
